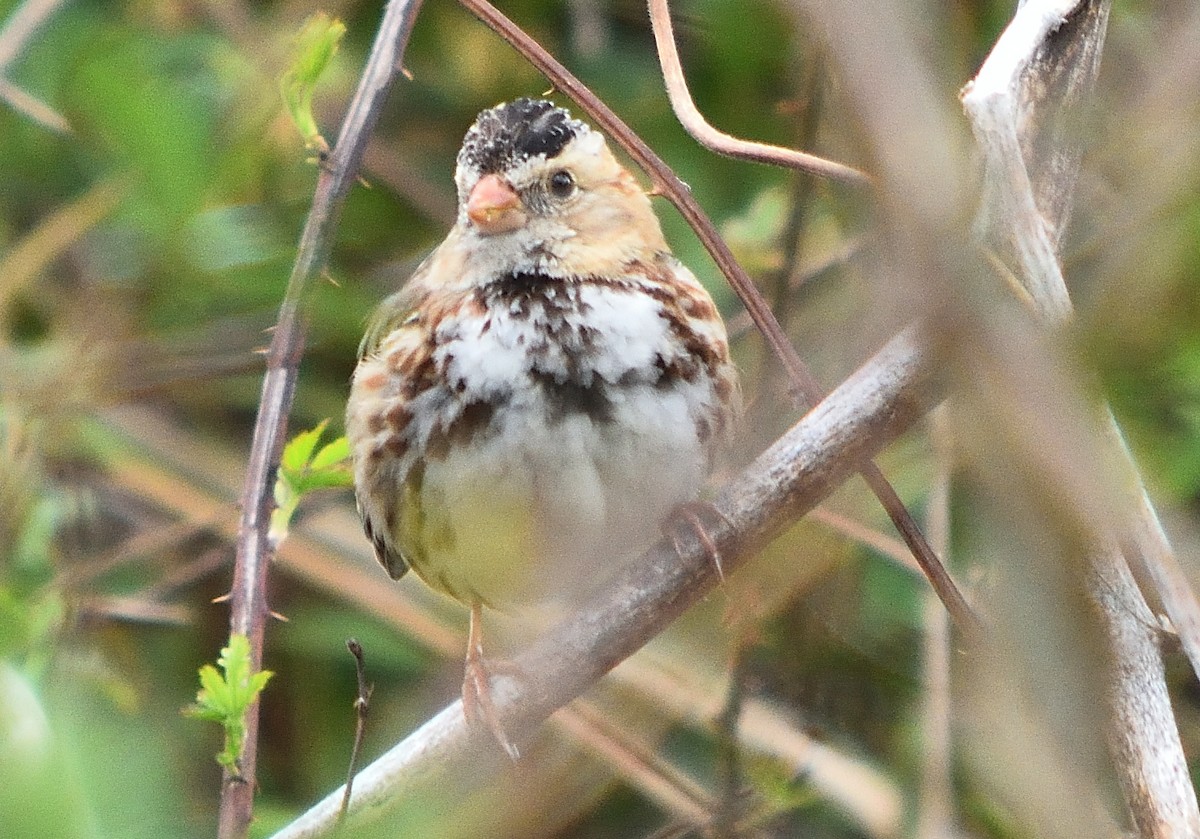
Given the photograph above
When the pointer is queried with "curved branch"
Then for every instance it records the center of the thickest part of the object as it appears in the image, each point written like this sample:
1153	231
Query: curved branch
718	141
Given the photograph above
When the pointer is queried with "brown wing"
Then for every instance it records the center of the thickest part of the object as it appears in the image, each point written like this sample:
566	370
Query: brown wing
394	356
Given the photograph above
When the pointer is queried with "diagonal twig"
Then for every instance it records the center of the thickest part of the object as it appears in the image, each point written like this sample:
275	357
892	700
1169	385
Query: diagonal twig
21	26
249	609
666	182
26	103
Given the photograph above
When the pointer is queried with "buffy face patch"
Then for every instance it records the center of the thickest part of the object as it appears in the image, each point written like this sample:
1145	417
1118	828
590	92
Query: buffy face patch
513	132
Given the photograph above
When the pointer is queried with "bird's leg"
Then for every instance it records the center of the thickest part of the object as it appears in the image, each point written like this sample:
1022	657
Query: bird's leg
477	687
688	515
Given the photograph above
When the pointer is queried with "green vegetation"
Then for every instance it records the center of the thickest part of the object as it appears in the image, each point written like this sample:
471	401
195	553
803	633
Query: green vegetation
227	694
148	222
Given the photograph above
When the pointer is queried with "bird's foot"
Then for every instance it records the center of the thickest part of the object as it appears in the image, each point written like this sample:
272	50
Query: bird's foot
478	705
690	515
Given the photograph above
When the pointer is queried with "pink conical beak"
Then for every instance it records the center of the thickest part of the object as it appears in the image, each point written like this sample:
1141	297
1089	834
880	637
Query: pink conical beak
494	207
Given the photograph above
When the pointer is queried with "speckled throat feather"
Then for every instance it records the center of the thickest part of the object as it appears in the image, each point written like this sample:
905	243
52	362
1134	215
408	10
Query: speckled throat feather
439	401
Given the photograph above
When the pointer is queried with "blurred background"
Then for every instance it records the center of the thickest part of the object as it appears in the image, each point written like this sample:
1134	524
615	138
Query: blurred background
152	191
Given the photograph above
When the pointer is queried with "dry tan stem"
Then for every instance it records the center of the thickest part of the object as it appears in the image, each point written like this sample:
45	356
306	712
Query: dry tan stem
862	793
718	141
1044	64
34	108
21	25
659	781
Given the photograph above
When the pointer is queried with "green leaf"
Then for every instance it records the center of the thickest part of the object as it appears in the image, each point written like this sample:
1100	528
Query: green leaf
316	45
332	454
298	451
301	472
226	695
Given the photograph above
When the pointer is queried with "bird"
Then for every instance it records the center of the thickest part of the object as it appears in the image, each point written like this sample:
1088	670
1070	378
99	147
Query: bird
546	390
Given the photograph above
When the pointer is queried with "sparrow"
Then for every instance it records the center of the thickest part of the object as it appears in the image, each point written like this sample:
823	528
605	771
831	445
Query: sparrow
545	390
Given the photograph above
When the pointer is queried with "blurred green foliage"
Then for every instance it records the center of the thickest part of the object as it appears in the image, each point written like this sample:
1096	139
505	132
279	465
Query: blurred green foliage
143	255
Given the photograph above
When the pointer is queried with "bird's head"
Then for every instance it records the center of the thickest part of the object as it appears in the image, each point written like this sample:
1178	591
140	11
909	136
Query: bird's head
534	181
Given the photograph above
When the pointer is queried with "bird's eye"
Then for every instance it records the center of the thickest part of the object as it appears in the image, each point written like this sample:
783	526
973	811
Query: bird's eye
562	183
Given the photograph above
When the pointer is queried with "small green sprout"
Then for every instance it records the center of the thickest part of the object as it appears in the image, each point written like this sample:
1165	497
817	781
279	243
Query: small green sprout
225	698
316	44
303	468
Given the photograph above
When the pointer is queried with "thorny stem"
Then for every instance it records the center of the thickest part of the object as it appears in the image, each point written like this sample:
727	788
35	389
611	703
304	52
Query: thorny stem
249	610
807	390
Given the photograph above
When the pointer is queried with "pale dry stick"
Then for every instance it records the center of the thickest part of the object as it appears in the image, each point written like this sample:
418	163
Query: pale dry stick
861	417
1027	207
807	390
21	25
37	110
720	142
249	609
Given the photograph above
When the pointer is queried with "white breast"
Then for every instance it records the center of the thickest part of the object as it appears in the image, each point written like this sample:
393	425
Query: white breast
551	497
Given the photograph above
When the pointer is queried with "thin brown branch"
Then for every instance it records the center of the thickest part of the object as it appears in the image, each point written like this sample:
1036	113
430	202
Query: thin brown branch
807	389
718	141
872	407
362	706
249	609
